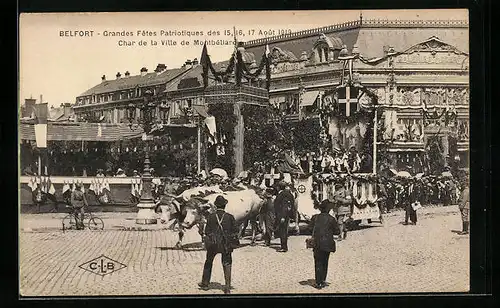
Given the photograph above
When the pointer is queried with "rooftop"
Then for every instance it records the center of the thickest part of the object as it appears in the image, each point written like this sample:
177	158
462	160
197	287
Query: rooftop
370	36
130	82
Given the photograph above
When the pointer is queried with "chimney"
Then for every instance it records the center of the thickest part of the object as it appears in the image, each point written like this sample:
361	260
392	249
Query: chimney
103	78
160	68
127	74
188	64
67	110
144	71
195	61
118	75
29	105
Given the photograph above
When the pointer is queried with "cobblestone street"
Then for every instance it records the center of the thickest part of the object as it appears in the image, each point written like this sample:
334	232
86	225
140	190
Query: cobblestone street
376	258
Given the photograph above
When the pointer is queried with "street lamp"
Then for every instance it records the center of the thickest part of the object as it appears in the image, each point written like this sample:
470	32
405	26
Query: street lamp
146	214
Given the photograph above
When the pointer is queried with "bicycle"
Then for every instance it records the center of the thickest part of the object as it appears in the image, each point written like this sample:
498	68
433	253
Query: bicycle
89	220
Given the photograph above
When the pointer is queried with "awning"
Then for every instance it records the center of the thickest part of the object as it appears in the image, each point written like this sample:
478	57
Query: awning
201	110
309	98
82	132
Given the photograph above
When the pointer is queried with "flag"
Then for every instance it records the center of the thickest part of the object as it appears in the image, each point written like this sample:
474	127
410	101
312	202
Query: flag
268	53
52	189
348	100
211	125
205	63
41	111
268	67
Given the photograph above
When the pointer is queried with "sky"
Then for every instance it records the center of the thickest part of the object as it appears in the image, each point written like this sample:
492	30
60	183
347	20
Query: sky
59	64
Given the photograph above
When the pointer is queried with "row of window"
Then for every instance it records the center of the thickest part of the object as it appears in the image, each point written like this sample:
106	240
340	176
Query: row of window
115	96
118	115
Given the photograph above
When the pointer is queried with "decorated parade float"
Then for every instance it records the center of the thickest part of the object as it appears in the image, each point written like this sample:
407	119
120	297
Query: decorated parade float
343	154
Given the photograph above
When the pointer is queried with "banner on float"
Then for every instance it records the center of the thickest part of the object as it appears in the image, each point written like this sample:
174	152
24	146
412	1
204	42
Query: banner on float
305	202
368	212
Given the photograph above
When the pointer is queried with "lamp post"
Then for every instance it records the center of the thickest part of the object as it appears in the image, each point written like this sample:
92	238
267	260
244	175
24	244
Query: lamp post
146	214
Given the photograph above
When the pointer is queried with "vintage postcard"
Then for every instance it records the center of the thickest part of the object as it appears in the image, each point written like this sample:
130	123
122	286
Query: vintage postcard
245	152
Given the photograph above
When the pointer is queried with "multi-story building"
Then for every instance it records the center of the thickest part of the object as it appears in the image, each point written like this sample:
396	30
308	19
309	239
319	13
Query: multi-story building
108	101
409	65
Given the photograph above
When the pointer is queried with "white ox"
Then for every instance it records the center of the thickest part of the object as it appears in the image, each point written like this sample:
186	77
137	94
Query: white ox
193	206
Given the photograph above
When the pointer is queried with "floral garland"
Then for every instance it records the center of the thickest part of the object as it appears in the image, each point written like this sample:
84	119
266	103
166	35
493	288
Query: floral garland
241	68
342	178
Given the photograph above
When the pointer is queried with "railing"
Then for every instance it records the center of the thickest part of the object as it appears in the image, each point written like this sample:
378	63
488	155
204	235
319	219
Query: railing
373	23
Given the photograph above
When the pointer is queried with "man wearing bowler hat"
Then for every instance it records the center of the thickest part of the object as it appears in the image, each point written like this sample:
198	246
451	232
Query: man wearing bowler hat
324	227
221	236
283	206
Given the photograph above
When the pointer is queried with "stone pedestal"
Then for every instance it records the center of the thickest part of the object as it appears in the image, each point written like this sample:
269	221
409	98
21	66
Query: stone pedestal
146	214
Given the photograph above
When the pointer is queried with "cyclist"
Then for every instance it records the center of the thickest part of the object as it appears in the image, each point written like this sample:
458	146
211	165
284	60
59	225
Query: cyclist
78	202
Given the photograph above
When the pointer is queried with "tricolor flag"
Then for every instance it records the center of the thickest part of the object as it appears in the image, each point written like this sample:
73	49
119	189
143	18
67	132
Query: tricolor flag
268	52
268	67
212	128
41	111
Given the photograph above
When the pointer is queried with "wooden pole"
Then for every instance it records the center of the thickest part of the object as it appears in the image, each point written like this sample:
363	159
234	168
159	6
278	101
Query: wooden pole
375	142
199	146
205	154
40	152
46	165
238	139
39	163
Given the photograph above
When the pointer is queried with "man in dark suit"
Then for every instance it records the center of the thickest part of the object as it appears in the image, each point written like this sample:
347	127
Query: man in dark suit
283	206
221	236
412	193
324	228
267	215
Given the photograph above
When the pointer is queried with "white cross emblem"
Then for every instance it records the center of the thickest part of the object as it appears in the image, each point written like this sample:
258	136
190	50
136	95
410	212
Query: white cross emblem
269	178
350	98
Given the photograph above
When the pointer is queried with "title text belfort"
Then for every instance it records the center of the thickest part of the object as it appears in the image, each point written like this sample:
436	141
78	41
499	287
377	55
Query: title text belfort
172	33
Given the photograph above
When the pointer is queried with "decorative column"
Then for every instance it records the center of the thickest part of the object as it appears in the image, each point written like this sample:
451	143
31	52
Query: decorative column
238	146
146	214
375	129
446	147
198	141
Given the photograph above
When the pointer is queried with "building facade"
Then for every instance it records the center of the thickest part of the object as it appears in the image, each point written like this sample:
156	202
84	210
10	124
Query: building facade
418	70
108	101
413	67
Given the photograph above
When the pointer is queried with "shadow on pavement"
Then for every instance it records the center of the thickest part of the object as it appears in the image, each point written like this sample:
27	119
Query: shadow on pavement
198	246
217	286
308	282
